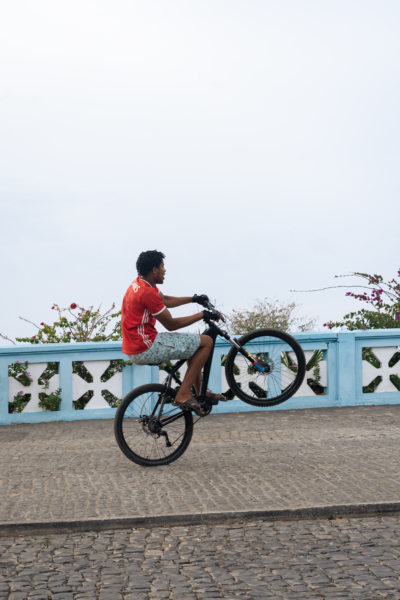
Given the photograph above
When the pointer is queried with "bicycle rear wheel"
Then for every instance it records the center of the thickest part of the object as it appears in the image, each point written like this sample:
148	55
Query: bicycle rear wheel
279	372
144	436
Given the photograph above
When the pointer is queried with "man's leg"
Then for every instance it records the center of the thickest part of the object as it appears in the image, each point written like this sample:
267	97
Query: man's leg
193	373
197	383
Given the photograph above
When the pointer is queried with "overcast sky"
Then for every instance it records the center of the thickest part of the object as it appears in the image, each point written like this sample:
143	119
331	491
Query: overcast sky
255	142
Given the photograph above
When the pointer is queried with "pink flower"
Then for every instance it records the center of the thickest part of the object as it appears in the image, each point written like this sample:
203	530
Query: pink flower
20	393
73	305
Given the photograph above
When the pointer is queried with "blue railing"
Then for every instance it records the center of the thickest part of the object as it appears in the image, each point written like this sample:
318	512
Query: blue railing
353	368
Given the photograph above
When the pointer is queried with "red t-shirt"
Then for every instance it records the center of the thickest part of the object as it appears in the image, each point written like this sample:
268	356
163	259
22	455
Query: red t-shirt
141	303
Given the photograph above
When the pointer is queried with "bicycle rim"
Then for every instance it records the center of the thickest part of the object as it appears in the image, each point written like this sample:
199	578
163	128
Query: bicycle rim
146	438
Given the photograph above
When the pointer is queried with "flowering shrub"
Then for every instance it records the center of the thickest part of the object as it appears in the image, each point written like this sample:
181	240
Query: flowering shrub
77	324
50	401
19	371
18	403
383	299
74	324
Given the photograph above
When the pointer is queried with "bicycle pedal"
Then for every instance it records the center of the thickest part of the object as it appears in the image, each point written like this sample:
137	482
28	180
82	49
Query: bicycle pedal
213	400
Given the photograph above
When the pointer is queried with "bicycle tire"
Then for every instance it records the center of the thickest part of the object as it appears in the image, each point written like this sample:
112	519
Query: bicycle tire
275	350
132	431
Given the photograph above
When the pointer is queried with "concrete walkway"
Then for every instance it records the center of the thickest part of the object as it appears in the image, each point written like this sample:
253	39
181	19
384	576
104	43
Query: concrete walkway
271	464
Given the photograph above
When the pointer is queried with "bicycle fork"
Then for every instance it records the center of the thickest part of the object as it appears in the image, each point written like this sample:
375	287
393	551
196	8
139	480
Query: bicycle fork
255	363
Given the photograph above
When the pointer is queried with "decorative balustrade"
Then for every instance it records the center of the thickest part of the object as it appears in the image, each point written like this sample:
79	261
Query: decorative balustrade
87	380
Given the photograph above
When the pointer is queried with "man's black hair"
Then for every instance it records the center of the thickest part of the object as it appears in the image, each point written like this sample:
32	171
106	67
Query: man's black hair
147	260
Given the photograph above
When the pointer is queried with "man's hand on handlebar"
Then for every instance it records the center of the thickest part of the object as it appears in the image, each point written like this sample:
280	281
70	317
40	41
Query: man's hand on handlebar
202	299
211	315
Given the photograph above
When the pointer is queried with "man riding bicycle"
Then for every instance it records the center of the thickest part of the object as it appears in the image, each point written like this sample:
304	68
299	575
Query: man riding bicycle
142	305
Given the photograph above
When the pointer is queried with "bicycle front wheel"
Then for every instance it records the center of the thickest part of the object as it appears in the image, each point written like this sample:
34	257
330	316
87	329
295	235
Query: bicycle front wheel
273	372
147	437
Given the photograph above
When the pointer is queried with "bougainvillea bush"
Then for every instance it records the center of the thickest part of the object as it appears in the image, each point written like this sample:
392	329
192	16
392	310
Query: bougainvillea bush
73	324
77	324
383	304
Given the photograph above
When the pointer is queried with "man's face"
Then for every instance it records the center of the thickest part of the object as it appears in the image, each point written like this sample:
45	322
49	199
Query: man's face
159	273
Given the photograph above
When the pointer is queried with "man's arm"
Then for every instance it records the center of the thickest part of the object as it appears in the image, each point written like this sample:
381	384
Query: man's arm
173	302
172	324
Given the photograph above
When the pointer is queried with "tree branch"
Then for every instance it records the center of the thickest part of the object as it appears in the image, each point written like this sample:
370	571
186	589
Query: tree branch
8	339
31	322
333	287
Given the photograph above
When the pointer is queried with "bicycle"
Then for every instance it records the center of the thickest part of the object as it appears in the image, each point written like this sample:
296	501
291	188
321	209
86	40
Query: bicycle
152	430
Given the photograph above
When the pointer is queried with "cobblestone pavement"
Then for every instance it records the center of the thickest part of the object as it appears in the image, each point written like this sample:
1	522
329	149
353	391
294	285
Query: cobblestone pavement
356	559
267	460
